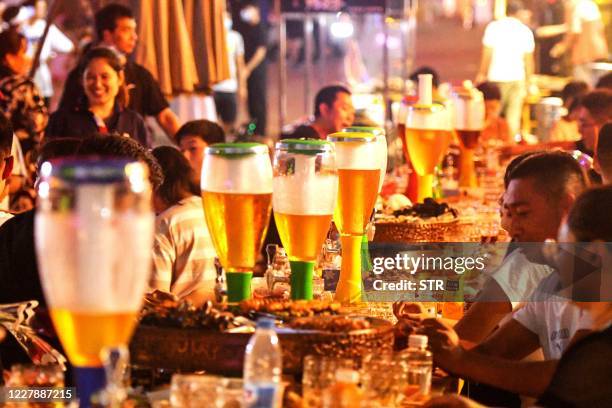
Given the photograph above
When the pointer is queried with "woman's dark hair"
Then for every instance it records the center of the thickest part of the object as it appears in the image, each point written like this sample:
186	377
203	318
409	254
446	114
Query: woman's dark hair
589	219
490	91
114	61
179	177
11	41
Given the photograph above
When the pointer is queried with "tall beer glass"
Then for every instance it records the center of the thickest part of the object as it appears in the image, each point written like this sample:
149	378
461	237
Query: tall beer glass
305	189
237	196
468	120
358	180
94	231
428	134
381	147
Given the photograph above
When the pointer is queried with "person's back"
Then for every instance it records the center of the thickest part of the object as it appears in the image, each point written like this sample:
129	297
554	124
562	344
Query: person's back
509	40
183	253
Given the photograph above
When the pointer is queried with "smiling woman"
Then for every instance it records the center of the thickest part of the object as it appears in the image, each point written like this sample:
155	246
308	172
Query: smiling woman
104	108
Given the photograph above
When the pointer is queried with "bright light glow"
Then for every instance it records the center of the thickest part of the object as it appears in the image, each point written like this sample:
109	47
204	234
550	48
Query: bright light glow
393	43
45	170
43	188
341	29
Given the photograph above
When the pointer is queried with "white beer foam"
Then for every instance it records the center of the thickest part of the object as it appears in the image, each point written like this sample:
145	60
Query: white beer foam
428	119
249	174
305	192
76	251
468	114
358	155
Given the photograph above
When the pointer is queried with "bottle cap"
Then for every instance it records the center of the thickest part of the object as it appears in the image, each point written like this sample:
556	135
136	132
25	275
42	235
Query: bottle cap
265	323
347	375
417	341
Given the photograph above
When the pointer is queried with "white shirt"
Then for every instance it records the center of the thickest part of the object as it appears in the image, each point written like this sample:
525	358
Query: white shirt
518	277
553	319
183	253
584	11
55	41
235	47
509	40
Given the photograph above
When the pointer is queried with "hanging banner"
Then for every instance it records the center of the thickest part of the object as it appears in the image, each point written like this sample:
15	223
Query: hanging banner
352	6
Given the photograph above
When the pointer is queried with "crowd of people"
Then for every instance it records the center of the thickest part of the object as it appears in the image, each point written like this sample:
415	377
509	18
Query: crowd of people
548	194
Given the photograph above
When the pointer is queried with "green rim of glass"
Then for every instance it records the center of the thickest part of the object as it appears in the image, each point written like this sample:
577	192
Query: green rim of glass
359	137
236	149
305	146
365	129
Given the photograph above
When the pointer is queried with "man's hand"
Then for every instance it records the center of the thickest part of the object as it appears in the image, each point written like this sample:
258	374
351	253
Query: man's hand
558	50
443	341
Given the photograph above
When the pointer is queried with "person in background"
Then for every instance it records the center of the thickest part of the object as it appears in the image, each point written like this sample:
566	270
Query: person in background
227	93
496	131
566	129
193	137
116	28
585	40
603	154
580	378
183	252
23	200
104	109
333	111
254	34
596	111
56	41
507	60
20	99
605	82
6	161
435	81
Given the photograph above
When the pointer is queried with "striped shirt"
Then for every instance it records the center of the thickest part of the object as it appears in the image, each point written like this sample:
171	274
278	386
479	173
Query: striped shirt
183	252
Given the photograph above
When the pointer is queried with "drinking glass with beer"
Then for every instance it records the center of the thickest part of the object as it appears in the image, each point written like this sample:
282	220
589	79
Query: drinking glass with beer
468	120
358	180
305	188
237	195
94	231
428	134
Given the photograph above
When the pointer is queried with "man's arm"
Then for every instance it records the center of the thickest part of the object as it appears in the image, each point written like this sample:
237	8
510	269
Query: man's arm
485	62
168	121
512	341
529	64
523	377
258	57
484	315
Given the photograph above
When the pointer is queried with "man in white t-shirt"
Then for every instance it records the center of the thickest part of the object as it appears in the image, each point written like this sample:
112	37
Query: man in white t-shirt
228	93
540	191
585	38
507	60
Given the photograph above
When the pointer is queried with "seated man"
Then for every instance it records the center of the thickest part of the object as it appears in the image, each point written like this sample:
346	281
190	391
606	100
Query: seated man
595	112
333	111
496	131
581	377
193	137
540	191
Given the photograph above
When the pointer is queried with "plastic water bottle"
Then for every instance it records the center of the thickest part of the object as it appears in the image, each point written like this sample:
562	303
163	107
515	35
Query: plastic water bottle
263	367
419	364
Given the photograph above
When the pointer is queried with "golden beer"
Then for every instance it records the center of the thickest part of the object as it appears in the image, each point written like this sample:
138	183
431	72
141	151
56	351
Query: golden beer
426	147
237	223
357	191
302	235
85	334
